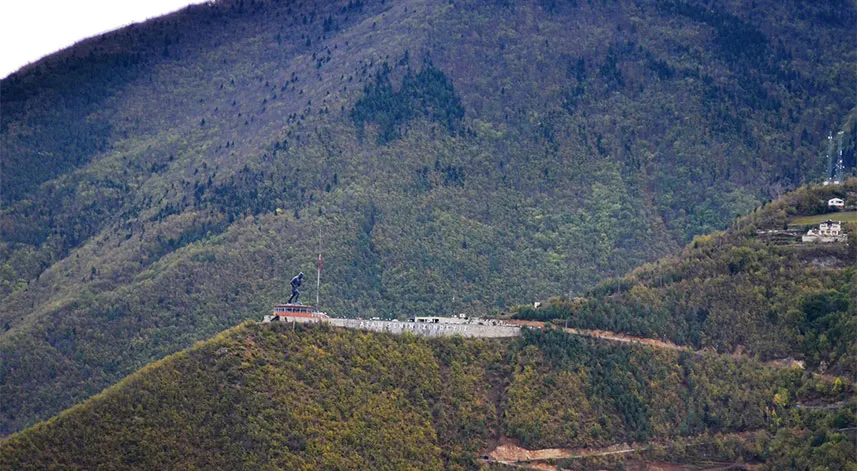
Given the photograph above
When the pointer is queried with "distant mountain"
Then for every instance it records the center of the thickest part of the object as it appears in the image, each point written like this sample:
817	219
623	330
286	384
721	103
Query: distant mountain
753	288
270	397
163	182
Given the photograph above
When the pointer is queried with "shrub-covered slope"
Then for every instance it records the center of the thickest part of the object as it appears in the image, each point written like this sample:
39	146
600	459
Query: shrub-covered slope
744	288
162	182
270	397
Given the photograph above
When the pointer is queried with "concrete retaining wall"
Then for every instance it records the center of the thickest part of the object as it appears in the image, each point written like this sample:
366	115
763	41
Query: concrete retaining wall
425	330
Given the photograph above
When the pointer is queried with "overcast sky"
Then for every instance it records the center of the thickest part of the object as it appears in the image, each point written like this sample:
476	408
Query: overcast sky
32	29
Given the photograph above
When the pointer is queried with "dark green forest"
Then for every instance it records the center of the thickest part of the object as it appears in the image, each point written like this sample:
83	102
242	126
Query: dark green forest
163	182
312	397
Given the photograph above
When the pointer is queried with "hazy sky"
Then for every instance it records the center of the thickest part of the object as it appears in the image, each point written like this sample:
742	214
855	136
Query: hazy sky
32	29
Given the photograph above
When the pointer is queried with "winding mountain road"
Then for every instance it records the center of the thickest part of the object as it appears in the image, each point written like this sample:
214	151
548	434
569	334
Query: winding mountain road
607	335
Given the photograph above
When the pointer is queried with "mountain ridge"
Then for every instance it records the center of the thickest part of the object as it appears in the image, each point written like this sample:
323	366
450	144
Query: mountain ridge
271	396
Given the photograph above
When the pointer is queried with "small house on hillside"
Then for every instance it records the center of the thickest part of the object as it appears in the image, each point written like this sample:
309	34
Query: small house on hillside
836	203
828	231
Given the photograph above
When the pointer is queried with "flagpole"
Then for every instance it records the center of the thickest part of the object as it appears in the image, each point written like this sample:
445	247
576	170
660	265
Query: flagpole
318	281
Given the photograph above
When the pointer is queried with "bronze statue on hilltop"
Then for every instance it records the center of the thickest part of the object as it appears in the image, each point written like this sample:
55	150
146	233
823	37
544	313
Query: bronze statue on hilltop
296	283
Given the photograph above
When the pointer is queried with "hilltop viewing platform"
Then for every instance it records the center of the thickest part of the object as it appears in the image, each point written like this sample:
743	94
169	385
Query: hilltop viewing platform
422	326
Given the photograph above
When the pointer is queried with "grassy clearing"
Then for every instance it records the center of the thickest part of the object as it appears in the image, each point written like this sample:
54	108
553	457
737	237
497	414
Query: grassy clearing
848	216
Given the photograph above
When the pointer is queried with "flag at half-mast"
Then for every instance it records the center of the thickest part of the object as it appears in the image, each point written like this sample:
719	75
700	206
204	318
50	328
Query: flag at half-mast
319	262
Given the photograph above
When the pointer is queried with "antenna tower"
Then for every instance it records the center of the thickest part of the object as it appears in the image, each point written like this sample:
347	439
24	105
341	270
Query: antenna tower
840	163
829	175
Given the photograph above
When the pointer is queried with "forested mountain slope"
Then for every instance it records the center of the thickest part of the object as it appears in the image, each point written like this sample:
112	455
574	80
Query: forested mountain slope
270	397
162	182
747	289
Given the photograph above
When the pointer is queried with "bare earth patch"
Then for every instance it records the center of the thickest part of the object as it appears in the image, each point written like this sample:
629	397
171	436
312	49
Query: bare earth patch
511	453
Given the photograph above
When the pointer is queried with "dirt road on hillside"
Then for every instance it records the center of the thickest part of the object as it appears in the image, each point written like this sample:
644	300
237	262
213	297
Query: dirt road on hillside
509	453
605	334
